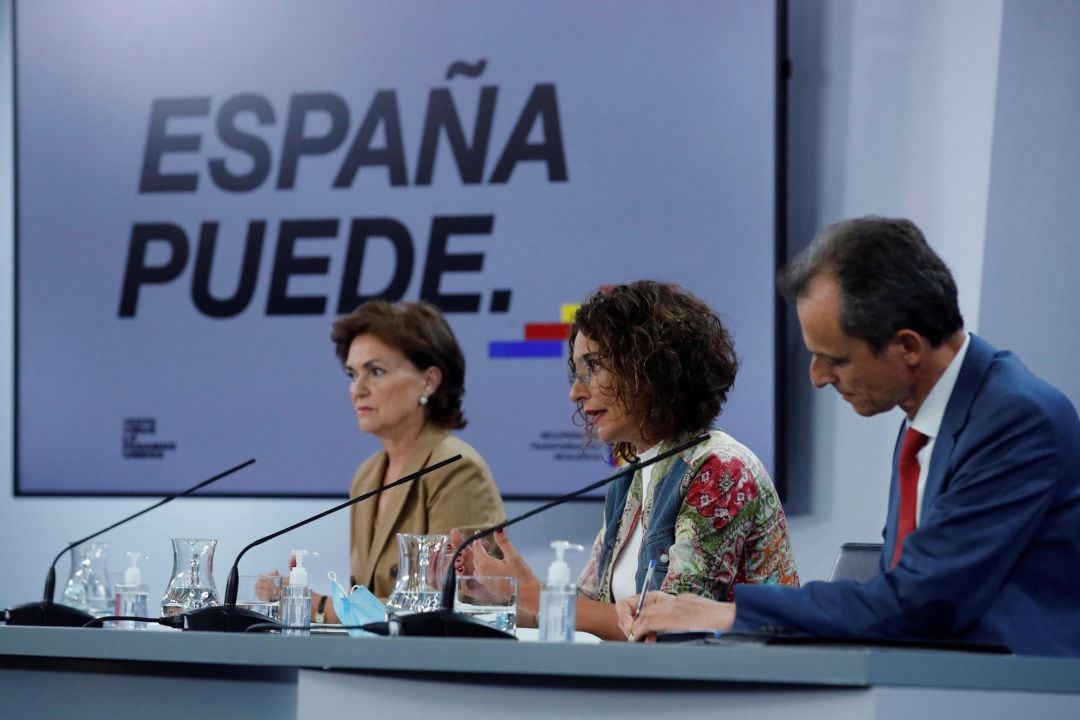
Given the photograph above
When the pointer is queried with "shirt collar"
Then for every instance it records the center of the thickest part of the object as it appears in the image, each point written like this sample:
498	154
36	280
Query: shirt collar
932	411
650	453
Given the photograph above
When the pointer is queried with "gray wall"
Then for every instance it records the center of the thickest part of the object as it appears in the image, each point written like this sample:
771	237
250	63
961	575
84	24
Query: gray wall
897	108
891	112
1029	283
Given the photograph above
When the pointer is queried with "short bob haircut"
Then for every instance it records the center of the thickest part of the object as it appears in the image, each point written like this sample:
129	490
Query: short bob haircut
419	332
669	353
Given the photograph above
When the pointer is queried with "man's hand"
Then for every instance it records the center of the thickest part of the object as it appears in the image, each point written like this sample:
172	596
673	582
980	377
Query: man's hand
672	613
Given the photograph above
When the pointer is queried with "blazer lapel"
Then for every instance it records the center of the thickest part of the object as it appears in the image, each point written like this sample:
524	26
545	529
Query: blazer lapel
387	519
364	514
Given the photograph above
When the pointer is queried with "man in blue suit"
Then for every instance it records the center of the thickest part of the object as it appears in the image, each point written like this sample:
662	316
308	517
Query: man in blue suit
982	535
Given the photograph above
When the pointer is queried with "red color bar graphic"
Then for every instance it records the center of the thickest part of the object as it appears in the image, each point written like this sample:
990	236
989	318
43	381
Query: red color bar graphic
546	331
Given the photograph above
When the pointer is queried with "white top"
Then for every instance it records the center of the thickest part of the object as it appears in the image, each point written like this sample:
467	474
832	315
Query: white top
931	413
624	574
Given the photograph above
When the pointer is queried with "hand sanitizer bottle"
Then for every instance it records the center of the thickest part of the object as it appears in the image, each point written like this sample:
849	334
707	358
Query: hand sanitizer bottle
132	595
558	598
296	599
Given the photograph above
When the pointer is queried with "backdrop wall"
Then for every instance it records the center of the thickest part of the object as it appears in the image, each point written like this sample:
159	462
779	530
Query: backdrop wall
1030	298
267	171
900	108
891	113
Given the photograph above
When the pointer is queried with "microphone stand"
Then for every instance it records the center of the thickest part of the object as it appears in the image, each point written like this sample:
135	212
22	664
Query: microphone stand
229	618
444	622
53	614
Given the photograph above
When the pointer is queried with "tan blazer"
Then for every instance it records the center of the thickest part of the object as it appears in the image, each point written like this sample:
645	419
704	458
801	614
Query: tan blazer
462	495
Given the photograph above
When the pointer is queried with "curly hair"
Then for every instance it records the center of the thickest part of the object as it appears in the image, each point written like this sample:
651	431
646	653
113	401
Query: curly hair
669	354
419	332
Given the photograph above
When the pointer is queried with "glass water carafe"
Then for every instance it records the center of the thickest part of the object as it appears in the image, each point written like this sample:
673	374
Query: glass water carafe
192	584
421	571
87	586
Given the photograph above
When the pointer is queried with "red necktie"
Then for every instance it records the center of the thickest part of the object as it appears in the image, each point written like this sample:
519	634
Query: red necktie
908	467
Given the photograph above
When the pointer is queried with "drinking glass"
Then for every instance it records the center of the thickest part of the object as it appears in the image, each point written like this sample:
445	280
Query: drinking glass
261	593
492	600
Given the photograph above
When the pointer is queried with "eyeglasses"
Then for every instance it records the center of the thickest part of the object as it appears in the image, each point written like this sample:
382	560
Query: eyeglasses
586	377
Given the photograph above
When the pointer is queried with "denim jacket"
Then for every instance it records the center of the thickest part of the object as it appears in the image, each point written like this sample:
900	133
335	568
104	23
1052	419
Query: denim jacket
660	535
713	519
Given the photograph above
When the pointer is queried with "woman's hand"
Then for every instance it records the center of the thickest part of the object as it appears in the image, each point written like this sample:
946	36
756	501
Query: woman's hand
667	613
266	589
476	560
464	564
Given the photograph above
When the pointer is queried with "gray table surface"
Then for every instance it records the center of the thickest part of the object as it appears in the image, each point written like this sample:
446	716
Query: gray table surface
823	666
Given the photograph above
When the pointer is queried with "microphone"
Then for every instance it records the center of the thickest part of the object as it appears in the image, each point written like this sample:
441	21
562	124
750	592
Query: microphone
52	614
229	618
444	622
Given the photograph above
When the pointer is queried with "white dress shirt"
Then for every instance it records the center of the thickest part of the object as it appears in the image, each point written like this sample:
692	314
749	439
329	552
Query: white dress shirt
930	414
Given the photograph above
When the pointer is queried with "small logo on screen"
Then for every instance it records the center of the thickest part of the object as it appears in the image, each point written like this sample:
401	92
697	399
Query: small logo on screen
134	444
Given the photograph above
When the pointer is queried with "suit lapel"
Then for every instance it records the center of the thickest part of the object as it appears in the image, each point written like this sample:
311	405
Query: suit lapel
387	519
979	355
889	539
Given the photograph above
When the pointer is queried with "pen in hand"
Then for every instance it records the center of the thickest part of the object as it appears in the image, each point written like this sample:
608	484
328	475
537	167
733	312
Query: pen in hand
645	587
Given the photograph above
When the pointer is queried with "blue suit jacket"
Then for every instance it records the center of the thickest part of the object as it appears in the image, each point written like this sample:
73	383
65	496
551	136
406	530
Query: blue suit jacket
999	537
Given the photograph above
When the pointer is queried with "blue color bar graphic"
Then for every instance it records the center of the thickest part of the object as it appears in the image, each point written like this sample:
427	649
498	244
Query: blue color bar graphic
526	348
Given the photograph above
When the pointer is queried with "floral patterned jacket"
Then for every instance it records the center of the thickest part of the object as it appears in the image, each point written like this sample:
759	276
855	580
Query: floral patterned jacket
712	519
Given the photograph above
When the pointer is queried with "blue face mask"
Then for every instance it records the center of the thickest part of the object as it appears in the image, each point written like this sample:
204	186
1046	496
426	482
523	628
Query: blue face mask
358	607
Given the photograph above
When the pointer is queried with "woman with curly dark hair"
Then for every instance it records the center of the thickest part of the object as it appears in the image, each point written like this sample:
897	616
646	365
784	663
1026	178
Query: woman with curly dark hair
650	367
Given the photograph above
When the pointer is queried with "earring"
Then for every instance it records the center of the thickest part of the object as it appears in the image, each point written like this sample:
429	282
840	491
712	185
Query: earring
423	400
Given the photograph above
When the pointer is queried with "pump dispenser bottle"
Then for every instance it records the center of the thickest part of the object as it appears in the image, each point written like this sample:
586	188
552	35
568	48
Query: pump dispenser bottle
558	598
132	595
296	599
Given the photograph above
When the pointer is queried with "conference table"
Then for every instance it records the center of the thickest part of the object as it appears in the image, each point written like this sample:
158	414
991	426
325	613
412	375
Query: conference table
106	673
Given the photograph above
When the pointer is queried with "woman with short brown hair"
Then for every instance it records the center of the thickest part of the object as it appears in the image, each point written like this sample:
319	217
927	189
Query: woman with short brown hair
406	384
